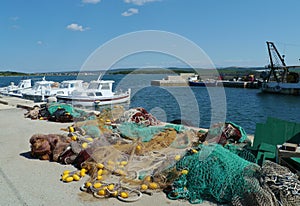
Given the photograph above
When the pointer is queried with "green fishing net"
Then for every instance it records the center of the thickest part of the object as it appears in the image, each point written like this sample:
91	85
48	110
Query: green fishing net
212	173
142	132
241	152
76	113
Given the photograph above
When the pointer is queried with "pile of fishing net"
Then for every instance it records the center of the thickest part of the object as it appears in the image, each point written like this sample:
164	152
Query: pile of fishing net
140	116
128	154
212	172
58	112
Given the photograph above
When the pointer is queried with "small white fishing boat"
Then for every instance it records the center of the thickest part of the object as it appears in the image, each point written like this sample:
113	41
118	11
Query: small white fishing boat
45	89
16	90
37	92
98	93
65	88
279	79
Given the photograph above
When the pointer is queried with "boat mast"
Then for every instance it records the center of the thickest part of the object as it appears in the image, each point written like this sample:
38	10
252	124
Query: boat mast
278	64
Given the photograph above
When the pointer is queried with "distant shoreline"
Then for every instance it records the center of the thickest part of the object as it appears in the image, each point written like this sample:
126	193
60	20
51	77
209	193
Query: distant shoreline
228	71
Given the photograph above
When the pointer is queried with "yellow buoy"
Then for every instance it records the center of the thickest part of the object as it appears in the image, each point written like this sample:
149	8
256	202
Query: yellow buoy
88	184
84	145
111	187
100	172
101	192
76	177
74	137
148	178
123	163
66	172
110	162
177	157
184	172
100	166
99	177
82	173
144	187
97	185
69	179
71	129
89	139
83	170
124	194
120	172
153	185
64	177
138	148
194	151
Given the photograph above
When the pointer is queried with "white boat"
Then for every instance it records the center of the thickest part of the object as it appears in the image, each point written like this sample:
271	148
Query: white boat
16	90
65	88
45	89
37	92
98	93
279	79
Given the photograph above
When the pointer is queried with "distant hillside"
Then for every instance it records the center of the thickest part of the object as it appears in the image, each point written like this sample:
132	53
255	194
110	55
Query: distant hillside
230	71
10	73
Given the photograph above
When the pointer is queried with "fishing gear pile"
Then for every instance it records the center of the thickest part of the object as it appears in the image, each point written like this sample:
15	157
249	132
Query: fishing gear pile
127	154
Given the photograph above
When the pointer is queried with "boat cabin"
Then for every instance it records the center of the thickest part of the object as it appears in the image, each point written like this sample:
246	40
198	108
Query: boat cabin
100	88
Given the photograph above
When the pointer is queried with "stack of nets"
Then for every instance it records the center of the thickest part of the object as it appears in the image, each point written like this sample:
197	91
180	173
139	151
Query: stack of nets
284	184
130	154
127	153
214	173
140	116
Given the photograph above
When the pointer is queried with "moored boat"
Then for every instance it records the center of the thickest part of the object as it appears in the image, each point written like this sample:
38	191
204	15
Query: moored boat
279	79
98	93
16	90
37	92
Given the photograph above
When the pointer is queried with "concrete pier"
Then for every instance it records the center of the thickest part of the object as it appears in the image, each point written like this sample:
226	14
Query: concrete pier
177	81
9	101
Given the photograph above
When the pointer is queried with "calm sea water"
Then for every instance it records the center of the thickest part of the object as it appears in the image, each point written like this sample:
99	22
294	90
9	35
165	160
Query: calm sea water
197	105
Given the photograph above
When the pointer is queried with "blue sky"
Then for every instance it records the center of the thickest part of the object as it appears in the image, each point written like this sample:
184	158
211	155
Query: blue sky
59	35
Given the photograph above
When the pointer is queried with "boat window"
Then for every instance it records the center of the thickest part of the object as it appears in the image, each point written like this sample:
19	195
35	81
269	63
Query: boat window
93	85
64	85
105	86
90	94
36	86
77	93
98	94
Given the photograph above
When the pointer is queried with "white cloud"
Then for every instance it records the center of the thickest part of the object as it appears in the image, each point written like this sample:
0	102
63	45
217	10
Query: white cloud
91	1
139	2
130	12
76	27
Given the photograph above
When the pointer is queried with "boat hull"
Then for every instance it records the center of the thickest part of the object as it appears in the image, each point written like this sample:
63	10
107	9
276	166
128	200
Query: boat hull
35	97
85	101
281	88
202	84
220	83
